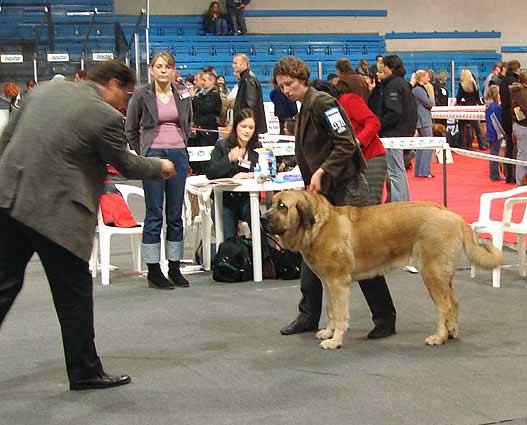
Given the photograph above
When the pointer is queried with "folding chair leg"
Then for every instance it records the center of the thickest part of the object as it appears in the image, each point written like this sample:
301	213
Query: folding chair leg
163	259
105	258
135	241
521	254
497	240
94	259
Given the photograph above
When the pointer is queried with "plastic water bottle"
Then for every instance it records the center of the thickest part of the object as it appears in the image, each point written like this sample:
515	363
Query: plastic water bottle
271	160
257	172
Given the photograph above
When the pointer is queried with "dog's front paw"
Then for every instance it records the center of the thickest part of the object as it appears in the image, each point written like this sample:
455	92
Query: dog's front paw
324	333
434	340
331	344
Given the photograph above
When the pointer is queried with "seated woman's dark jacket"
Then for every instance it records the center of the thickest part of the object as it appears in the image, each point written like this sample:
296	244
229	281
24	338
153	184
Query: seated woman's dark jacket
219	167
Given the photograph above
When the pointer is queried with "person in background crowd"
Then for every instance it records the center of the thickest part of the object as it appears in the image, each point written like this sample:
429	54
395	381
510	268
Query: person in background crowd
333	79
222	87
512	76
495	132
284	108
379	59
30	84
214	21
398	116
235	157
468	94
331	162
344	69
207	108
236	10
210	69
63	151
492	79
12	93
423	157
80	75
224	93
440	89
198	83
518	95
364	68
249	94
158	125
375	97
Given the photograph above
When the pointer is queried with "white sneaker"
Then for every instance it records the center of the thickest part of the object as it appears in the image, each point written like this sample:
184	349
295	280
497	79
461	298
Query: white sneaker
410	269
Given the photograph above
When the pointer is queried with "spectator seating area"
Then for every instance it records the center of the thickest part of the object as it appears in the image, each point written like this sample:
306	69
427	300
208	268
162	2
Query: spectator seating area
64	29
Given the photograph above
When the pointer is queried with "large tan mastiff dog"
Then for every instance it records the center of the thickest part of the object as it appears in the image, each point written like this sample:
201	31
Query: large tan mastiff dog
344	243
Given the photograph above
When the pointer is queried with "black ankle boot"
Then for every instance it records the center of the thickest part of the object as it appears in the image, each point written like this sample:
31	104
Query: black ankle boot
175	276
156	278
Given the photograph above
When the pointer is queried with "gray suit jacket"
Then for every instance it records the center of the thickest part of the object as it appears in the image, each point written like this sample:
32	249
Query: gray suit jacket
53	155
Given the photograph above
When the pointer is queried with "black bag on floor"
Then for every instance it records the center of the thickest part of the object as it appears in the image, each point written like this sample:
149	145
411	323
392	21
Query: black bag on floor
285	264
233	261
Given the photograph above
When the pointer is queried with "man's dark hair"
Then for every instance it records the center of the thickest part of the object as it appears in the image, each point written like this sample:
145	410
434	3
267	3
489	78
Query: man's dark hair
395	64
82	74
344	65
108	70
326	87
331	76
292	67
513	66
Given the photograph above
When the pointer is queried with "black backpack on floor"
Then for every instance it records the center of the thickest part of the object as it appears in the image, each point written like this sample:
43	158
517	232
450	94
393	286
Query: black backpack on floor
233	261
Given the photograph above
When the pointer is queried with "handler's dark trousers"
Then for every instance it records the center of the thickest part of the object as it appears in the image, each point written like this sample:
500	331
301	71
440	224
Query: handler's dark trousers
71	286
375	291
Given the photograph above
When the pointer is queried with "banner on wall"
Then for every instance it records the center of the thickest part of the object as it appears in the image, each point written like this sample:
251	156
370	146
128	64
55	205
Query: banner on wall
103	56
58	57
11	58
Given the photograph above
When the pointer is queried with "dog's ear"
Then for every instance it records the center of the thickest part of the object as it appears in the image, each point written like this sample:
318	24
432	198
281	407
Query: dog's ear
306	213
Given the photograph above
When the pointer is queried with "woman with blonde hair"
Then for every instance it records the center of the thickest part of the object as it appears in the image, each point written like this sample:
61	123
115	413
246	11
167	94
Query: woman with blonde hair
468	94
424	103
158	124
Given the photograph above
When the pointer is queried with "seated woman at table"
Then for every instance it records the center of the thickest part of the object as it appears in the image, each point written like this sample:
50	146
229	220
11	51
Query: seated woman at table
235	157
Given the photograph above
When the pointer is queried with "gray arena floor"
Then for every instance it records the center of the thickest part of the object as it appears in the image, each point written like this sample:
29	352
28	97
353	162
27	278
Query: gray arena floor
212	354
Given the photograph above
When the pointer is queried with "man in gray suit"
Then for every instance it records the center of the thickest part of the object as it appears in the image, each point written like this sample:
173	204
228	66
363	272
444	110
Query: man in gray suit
53	155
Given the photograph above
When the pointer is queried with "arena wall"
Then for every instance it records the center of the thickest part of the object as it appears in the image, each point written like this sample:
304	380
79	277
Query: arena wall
402	16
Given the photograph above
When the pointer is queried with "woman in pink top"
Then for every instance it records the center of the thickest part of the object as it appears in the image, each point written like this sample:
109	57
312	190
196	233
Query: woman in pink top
158	124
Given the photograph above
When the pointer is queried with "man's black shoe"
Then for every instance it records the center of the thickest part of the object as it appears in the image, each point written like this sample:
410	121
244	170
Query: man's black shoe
100	381
382	331
298	326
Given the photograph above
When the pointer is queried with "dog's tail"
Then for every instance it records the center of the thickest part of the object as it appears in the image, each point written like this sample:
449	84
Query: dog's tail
486	255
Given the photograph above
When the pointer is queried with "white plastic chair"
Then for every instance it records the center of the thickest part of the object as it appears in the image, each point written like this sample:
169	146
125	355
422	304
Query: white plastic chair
203	222
496	228
103	236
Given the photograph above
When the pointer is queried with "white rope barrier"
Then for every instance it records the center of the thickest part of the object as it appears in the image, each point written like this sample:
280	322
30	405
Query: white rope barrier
481	155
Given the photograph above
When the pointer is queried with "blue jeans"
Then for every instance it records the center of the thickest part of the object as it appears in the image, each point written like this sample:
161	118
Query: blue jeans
234	210
155	192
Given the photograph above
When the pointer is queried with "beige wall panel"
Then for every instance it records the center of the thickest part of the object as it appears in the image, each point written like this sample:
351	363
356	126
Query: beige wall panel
403	16
453	44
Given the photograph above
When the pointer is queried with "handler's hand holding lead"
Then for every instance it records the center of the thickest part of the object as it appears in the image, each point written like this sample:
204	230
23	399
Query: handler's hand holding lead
167	168
315	184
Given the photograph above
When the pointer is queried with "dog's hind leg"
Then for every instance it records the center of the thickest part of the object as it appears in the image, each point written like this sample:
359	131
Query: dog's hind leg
439	290
340	302
330	327
452	320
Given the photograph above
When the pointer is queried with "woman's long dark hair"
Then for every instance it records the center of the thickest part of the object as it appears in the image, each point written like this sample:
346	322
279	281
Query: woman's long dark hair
232	139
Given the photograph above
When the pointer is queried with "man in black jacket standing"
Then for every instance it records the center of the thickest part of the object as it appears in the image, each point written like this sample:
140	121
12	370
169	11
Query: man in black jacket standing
512	76
249	92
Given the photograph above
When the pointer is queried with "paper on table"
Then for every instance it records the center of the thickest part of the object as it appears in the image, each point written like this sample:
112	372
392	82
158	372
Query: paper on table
216	182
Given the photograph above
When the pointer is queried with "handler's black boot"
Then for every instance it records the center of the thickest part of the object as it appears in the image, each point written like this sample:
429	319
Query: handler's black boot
381	305
175	276
299	325
156	278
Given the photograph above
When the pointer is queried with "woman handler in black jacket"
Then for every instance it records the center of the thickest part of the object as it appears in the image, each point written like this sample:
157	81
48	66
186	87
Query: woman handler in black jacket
331	163
235	157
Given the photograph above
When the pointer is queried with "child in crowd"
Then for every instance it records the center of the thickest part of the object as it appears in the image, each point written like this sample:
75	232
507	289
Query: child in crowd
495	132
